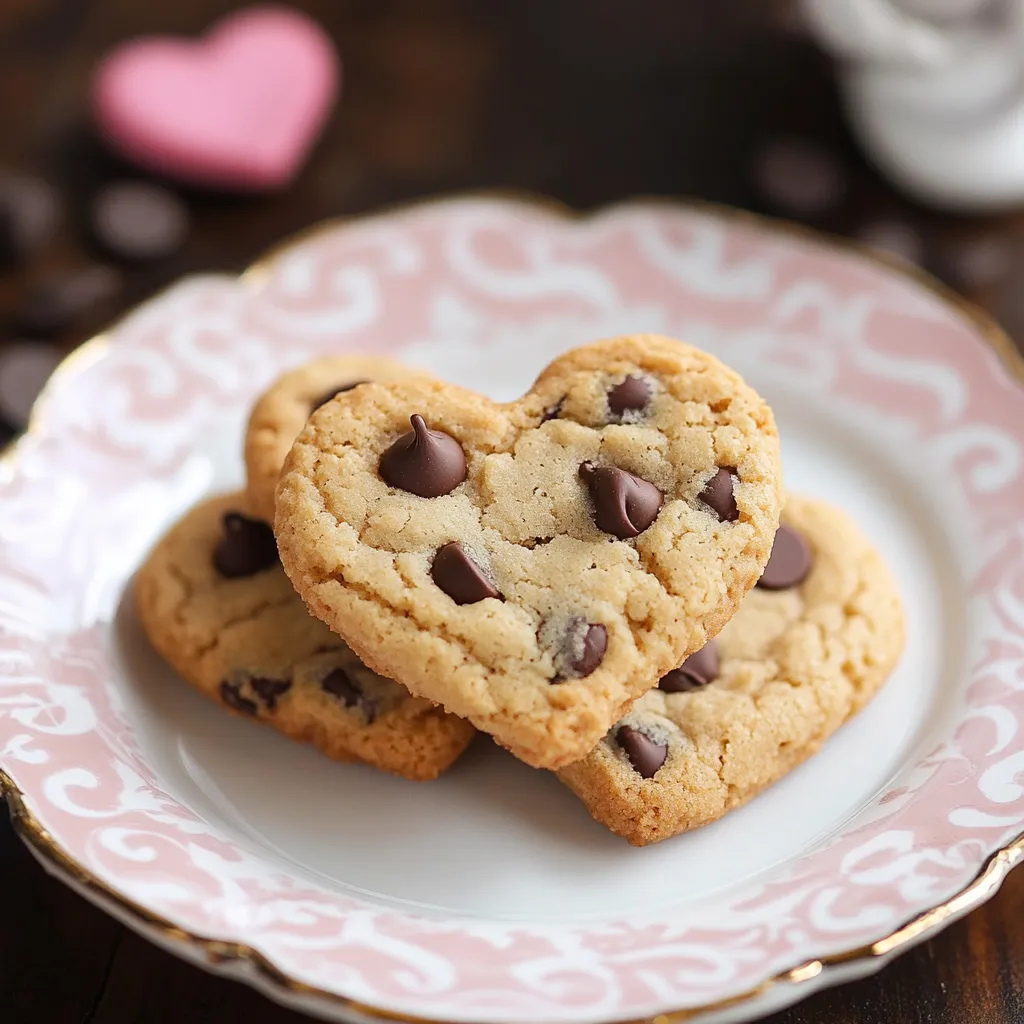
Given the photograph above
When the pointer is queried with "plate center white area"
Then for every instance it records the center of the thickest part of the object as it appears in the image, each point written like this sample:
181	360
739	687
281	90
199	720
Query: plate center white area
495	838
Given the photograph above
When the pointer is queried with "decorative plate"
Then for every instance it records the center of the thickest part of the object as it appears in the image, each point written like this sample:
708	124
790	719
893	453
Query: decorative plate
490	895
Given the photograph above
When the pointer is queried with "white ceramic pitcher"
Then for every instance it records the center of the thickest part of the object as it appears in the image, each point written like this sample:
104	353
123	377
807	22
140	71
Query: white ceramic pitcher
935	91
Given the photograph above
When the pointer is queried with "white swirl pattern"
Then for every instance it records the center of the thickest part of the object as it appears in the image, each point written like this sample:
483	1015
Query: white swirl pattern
463	282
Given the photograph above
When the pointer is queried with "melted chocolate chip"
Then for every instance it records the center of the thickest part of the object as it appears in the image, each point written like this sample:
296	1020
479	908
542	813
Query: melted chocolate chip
699	669
630	395
645	754
582	649
552	412
789	562
268	689
338	683
334	392
718	495
247	547
624	505
459	576
231	694
424	462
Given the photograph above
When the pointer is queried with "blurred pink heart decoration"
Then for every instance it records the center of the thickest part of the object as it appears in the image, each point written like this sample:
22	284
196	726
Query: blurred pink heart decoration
239	108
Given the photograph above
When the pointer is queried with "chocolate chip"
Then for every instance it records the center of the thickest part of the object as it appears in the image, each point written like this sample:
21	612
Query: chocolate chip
338	683
552	411
459	576
247	547
789	562
699	669
137	221
582	649
893	237
424	462
55	303
231	694
631	395
24	368
977	262
800	177
624	505
719	497
645	754
269	689
334	392
29	210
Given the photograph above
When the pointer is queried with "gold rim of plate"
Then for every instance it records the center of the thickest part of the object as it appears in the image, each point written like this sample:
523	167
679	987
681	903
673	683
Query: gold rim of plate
217	952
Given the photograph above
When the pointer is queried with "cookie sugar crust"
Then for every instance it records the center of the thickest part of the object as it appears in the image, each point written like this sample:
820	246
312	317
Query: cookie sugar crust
359	552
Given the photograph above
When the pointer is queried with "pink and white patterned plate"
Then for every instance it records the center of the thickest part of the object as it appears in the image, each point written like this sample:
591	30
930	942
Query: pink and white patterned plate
490	895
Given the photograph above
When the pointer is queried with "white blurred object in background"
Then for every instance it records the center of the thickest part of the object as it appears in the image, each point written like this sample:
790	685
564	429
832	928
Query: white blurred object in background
935	92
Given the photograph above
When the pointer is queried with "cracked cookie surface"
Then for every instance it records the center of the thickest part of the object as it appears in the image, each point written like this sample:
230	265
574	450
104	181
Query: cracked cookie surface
216	604
794	663
536	566
281	412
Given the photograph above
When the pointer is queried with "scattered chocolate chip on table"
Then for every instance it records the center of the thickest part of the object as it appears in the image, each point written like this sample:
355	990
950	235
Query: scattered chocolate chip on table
137	221
29	213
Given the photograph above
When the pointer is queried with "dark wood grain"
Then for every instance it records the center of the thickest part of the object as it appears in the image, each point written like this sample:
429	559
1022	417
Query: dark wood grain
587	100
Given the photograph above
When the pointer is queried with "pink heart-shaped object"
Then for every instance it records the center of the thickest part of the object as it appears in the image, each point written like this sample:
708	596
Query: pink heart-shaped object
239	108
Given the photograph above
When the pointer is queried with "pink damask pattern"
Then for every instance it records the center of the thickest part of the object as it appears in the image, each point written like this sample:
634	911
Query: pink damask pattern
488	279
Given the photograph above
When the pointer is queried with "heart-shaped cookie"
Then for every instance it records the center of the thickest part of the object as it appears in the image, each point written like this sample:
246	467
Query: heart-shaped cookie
282	410
536	566
214	602
238	108
809	647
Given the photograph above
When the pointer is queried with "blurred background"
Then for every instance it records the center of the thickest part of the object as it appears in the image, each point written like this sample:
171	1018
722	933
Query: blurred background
588	101
585	100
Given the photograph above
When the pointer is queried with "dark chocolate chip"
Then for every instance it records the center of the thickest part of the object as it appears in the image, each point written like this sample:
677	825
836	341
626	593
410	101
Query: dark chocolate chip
789	562
231	694
55	303
334	392
269	689
25	366
718	495
137	221
29	210
630	395
645	754
624	505
247	547
894	238
595	643
424	462
338	683
699	669
459	576
552	412
800	177
582	649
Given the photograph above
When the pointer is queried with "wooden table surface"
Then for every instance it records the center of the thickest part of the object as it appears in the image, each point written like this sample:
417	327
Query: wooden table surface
586	100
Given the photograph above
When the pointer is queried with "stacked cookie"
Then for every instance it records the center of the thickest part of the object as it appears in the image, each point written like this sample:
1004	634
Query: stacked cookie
553	571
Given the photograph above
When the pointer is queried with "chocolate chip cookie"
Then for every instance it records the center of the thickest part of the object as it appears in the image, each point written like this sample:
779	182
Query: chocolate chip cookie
282	410
215	603
809	646
536	566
